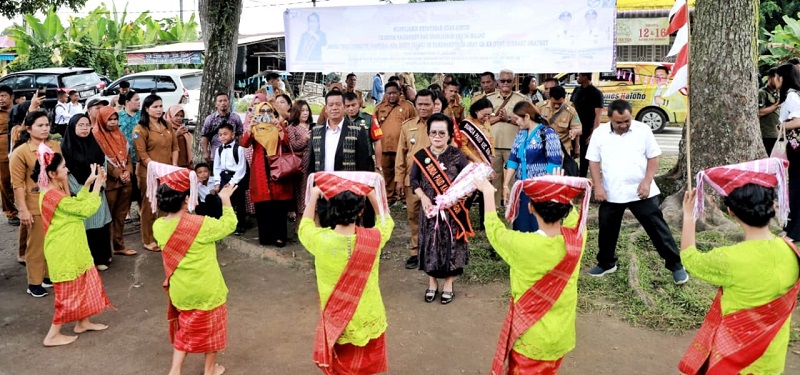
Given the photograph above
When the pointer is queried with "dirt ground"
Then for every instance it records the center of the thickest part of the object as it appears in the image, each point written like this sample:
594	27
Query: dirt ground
273	307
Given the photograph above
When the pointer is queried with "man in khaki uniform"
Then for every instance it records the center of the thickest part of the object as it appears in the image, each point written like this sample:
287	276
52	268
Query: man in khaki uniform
413	137
391	113
454	107
488	85
503	129
562	117
350	86
6	190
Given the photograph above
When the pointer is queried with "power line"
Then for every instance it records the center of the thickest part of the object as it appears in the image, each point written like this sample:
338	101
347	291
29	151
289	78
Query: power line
261	5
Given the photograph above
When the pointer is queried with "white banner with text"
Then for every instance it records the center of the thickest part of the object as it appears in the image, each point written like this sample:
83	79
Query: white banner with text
526	36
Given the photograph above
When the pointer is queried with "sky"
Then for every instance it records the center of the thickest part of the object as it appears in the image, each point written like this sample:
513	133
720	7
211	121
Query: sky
258	16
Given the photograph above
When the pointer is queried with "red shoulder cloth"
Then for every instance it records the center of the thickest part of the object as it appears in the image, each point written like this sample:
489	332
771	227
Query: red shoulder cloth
49	203
537	300
726	344
344	299
176	248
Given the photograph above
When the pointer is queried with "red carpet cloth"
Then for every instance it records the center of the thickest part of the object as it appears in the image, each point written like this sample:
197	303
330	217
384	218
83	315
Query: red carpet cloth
202	331
80	298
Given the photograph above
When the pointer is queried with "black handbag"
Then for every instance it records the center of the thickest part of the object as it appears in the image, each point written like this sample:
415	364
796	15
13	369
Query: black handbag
568	164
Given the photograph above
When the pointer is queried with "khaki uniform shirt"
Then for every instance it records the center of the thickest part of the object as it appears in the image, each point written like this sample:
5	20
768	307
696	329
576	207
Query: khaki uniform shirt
391	119
154	146
505	132
413	137
455	109
566	121
481	95
21	164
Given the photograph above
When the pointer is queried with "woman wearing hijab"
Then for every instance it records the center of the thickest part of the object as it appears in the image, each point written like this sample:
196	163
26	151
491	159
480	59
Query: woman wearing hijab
272	199
119	167
174	116
248	151
81	151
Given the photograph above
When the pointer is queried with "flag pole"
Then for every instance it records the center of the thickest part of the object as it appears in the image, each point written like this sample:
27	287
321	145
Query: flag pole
688	101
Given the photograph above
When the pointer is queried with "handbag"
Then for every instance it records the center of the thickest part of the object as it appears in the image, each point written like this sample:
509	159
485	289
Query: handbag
568	164
284	165
779	150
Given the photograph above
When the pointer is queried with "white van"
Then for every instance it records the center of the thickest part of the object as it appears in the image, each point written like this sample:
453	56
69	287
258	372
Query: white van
174	86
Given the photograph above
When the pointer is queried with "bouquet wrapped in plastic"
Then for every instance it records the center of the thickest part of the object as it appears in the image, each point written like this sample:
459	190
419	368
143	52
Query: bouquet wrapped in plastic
462	187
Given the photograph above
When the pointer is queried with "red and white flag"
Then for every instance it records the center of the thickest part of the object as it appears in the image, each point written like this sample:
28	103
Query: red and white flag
679	21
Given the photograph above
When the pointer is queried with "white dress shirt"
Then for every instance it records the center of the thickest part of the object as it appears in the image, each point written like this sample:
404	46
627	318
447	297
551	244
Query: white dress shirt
331	144
62	113
791	107
226	162
204	189
623	159
75	108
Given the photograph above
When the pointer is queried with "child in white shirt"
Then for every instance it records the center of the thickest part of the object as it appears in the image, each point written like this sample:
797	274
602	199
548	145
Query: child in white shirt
210	204
230	168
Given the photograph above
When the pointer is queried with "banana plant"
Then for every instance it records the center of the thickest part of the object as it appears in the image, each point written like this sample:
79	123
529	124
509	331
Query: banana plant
782	43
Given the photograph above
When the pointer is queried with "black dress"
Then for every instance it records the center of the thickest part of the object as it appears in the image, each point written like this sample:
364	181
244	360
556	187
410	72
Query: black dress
441	255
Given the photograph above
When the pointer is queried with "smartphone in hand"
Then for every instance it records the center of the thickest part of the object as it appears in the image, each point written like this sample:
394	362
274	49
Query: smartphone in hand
270	91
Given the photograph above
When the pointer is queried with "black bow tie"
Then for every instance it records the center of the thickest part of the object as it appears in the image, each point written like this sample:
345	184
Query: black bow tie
227	146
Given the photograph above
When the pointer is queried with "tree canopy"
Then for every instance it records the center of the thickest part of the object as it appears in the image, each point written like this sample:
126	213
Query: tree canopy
13	8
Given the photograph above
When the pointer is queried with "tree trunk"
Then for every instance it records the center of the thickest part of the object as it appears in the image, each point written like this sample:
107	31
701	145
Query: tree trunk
722	93
219	21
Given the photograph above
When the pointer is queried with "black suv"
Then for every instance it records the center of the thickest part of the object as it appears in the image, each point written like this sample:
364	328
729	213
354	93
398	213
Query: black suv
83	80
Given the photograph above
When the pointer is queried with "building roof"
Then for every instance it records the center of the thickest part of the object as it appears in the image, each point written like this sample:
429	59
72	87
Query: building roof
198	46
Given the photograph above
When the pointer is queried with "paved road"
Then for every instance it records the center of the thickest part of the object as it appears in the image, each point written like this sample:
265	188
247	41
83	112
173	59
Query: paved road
669	140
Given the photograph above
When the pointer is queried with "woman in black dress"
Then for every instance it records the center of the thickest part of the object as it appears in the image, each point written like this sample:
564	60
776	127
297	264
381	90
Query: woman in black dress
442	239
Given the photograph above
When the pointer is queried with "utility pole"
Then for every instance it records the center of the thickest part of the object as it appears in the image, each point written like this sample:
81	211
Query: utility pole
314	2
181	15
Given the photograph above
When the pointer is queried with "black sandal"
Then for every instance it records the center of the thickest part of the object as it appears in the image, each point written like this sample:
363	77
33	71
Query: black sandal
446	300
430	295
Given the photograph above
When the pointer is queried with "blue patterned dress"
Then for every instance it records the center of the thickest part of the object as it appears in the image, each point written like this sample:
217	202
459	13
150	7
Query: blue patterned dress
531	157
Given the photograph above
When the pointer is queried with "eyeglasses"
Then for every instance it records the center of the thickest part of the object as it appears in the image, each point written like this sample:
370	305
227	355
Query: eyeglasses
440	133
505	80
83	126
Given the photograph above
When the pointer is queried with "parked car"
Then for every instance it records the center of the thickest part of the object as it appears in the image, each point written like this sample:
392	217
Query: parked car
174	86
83	80
634	82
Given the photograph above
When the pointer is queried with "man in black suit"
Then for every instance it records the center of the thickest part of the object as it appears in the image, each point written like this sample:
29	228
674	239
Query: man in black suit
339	145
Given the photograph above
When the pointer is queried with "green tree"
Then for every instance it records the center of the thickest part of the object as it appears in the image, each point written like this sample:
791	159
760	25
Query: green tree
13	8
782	43
771	12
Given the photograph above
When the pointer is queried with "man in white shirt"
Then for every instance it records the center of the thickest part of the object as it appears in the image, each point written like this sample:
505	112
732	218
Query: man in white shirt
339	145
62	114
623	159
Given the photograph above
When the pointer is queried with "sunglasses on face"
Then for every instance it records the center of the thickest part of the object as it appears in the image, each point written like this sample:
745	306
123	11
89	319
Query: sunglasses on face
440	133
506	80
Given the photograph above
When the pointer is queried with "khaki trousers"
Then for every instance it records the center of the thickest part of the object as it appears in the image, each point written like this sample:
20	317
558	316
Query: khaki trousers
413	205
35	263
119	203
387	163
501	156
23	241
148	217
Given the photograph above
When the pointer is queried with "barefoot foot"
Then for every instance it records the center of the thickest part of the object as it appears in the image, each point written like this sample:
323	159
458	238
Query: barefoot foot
59	340
89	326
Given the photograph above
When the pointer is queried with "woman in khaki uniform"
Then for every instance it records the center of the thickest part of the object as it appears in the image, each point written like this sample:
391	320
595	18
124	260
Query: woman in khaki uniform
26	194
119	167
153	140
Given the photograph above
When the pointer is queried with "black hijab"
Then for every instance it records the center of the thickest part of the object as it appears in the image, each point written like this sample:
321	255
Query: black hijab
80	153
